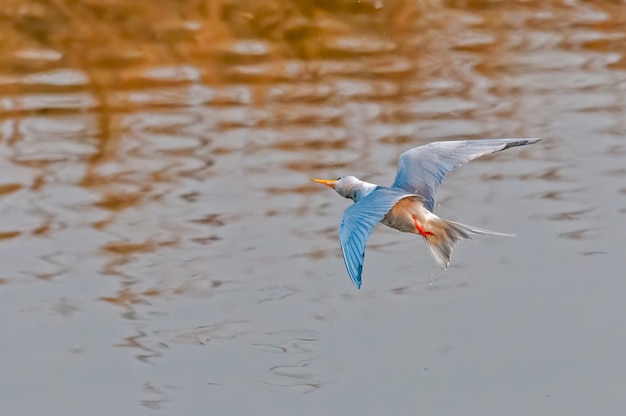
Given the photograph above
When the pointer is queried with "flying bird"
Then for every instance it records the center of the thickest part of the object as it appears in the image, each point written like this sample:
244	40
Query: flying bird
409	203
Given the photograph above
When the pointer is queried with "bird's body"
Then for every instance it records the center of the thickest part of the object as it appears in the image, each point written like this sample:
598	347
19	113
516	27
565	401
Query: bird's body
406	213
408	204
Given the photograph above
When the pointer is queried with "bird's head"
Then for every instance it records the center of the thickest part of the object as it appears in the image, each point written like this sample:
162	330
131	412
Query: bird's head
347	186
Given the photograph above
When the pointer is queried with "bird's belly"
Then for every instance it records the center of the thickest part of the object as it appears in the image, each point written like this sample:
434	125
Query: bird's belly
401	216
398	224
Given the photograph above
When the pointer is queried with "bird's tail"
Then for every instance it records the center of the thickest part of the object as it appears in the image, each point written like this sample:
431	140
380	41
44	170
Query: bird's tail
445	234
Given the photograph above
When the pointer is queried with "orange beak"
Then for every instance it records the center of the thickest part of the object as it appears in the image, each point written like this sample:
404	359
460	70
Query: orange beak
328	182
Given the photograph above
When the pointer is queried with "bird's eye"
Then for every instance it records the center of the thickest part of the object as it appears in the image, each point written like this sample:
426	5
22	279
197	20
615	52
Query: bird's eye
340	178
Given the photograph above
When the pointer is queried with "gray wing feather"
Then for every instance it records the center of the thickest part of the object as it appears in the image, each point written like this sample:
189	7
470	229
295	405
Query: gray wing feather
422	169
357	224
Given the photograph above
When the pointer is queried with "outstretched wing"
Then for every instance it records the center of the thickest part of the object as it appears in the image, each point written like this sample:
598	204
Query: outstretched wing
421	170
357	224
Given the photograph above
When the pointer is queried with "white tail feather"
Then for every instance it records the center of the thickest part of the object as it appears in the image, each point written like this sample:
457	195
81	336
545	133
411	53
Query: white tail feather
447	234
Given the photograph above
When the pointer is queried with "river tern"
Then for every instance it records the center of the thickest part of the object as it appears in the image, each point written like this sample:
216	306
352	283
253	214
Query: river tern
408	204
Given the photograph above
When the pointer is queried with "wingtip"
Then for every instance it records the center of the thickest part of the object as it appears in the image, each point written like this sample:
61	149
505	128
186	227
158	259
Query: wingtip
527	140
520	142
530	140
355	275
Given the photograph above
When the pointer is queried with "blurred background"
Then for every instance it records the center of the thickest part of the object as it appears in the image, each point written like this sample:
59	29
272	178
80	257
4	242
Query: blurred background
163	252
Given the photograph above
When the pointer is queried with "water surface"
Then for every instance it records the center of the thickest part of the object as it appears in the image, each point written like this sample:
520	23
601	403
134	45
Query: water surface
163	251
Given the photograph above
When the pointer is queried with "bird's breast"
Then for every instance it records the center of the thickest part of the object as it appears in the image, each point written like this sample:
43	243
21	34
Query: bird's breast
400	216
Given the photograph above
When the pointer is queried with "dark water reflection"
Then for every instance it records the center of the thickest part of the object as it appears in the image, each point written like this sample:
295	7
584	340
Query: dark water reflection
161	245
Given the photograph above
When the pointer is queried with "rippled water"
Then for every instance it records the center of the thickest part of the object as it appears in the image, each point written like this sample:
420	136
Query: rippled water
163	251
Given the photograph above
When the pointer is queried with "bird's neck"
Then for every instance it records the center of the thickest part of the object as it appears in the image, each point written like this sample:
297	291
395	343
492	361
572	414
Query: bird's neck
363	190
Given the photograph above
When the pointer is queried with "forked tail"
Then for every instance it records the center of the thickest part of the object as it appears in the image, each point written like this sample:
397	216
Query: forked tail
446	234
